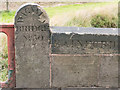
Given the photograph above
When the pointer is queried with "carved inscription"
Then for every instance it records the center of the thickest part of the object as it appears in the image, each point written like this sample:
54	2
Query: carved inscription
34	37
82	44
32	16
85	44
43	27
101	44
32	47
29	10
20	19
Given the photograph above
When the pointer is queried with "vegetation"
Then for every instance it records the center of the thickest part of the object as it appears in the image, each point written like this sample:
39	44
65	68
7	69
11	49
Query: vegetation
80	15
3	57
101	21
60	10
102	17
7	16
3	69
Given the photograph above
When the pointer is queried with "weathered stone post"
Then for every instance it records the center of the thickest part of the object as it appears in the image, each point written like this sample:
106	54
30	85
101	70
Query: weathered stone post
32	36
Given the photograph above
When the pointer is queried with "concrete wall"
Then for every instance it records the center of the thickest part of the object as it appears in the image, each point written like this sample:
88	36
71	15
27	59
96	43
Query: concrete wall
84	57
63	57
80	58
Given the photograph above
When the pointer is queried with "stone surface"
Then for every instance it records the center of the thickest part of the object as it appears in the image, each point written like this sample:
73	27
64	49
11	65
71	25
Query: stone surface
29	89
89	89
119	71
83	41
86	30
70	41
85	71
108	71
32	47
61	89
75	71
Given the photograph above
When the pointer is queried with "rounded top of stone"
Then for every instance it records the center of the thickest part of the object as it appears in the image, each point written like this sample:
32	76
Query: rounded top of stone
31	14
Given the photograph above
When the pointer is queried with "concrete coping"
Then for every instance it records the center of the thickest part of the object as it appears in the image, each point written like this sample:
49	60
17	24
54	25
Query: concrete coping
85	30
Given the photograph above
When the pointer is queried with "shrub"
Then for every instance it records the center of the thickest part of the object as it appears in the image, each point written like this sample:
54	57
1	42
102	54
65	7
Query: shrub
119	20
102	21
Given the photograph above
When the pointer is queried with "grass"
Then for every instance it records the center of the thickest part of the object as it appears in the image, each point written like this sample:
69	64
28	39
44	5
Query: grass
53	11
3	57
8	17
102	17
3	69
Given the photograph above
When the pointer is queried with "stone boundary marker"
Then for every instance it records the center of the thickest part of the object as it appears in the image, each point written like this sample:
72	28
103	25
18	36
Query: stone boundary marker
32	36
63	57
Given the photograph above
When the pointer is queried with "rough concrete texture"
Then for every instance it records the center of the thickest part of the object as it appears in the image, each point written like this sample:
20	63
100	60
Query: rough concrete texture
70	71
85	30
32	47
63	43
77	41
119	71
29	89
61	89
89	89
108	71
85	71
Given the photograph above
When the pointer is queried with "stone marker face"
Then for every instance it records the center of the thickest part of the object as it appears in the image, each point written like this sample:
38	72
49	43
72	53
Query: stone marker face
32	47
78	40
85	71
75	71
84	44
109	71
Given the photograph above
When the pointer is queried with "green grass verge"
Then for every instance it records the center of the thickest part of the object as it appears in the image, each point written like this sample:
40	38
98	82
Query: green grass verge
104	15
52	11
8	17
